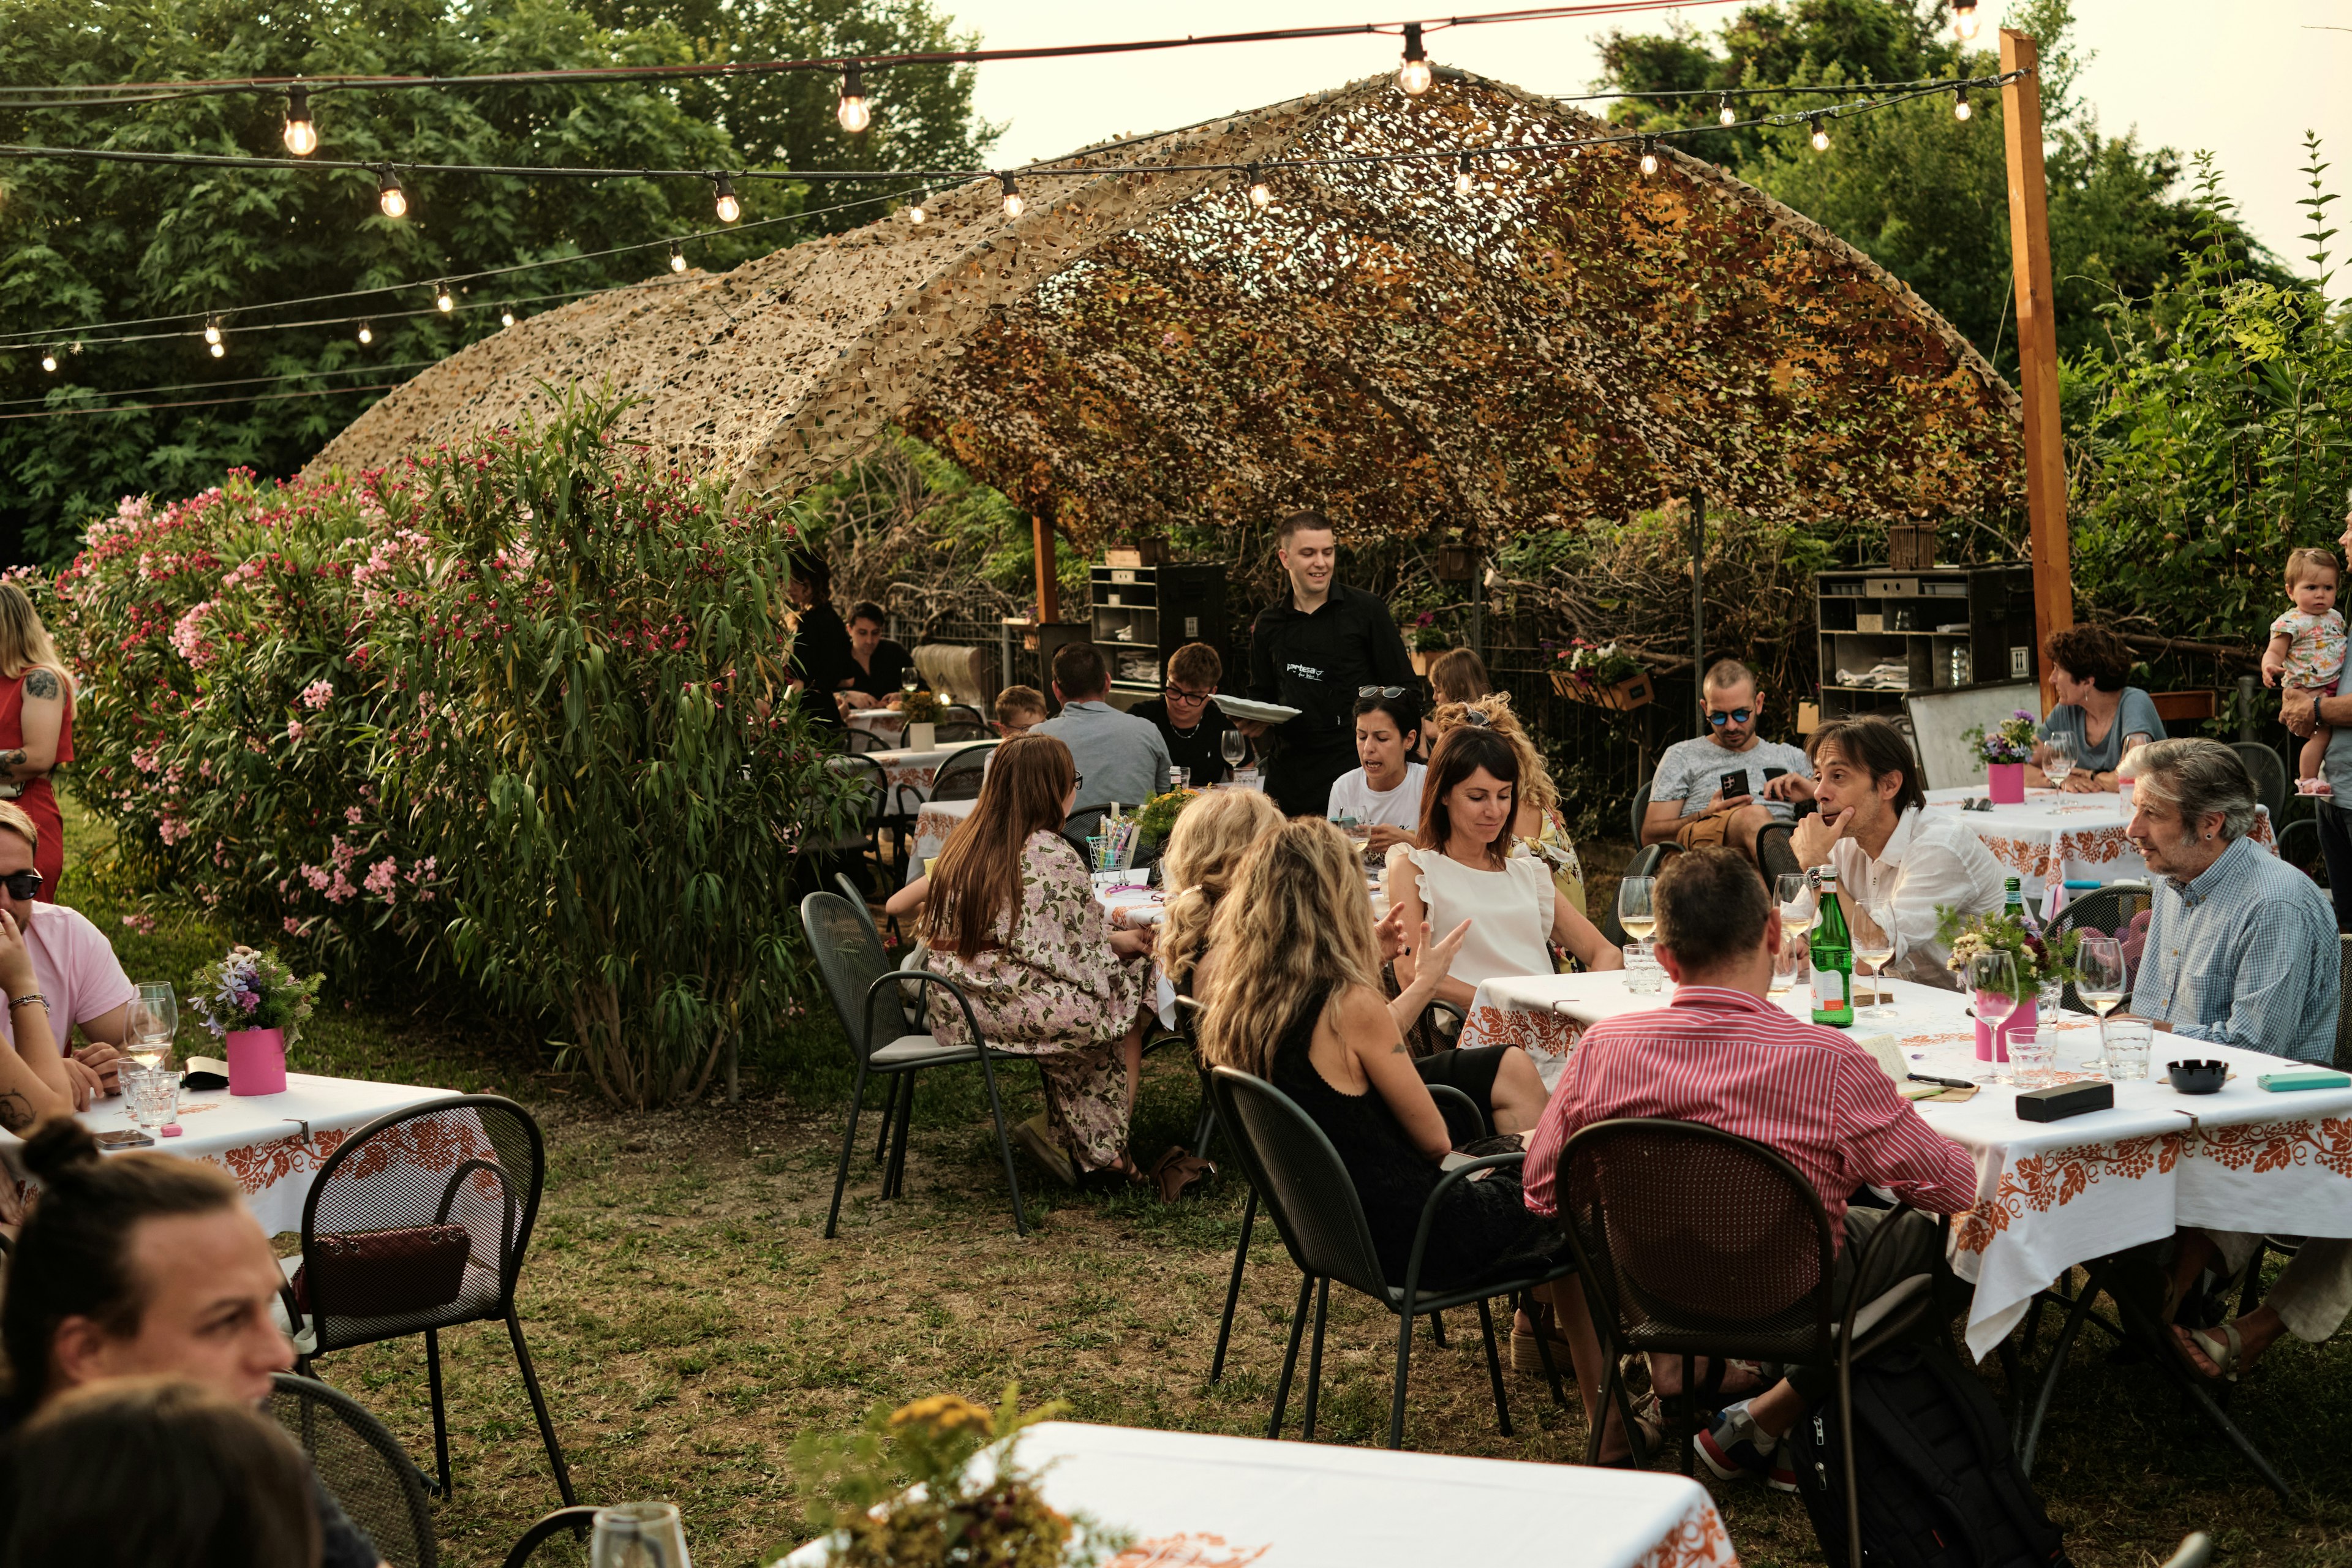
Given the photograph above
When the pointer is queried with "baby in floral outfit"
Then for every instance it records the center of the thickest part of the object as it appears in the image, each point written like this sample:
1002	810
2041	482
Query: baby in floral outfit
2307	644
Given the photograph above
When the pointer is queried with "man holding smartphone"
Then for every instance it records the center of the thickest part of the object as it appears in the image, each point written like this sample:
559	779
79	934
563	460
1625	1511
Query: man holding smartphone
1730	786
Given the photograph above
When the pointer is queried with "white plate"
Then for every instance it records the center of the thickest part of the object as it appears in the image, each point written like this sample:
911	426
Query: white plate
1256	712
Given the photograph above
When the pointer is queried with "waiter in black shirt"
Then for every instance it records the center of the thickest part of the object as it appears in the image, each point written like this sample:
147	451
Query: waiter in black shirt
1311	652
821	661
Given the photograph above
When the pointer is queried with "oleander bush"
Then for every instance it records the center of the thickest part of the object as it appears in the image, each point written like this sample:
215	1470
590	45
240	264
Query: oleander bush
512	708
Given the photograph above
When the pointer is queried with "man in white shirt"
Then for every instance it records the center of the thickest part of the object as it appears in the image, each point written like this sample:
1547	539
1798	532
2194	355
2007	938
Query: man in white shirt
1875	830
1384	794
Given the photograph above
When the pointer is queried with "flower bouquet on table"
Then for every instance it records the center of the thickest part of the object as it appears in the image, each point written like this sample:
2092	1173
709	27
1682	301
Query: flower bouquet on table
253	1002
969	1500
1601	674
1155	819
2006	748
920	707
2036	959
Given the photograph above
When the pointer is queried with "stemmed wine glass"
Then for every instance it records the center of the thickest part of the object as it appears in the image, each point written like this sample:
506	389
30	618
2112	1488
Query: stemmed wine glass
1874	943
153	1019
2057	760
1786	959
1637	912
2099	982
1992	982
1233	746
909	679
1800	906
639	1535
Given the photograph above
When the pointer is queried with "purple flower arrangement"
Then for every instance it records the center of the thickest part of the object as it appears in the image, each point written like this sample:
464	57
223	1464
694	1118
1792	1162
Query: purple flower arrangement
249	989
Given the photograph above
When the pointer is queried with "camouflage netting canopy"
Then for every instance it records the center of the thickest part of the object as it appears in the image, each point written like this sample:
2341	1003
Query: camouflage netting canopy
1143	348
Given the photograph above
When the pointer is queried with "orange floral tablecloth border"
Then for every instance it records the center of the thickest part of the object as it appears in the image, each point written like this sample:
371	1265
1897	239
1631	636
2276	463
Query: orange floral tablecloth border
1697	1540
1188	1549
2038	856
426	1144
1538	1033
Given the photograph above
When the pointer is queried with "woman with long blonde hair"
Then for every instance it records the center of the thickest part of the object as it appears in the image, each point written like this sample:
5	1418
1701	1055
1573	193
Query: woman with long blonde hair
1296	1000
1539	829
1205	850
37	706
1011	918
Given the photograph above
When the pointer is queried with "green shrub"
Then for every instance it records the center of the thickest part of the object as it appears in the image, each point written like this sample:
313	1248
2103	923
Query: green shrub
515	707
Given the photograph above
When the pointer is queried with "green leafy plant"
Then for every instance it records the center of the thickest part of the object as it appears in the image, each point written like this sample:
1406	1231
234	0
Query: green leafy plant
2038	959
921	707
1589	664
1155	819
250	990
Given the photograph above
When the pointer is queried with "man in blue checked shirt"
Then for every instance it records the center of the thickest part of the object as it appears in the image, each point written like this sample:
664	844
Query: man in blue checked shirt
2242	950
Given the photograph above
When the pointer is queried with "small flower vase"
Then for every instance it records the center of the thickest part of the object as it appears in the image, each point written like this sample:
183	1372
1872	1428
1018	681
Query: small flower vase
257	1061
922	737
2005	782
1993	1045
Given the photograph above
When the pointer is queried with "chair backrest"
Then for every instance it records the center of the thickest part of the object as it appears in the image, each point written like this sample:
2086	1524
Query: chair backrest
2344	1006
2268	771
1301	1180
561	1537
1641	809
1941	719
2101	912
377	1260
960	732
361	1465
849	955
1697	1238
864	741
958	777
854	896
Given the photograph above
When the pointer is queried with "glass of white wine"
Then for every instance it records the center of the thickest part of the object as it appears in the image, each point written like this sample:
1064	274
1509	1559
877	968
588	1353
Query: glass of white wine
2099	982
1874	943
2057	761
1637	912
1800	906
152	1020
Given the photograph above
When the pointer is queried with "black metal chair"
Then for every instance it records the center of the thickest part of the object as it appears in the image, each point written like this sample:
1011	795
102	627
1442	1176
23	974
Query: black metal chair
958	777
1644	863
2264	766
1692	1241
566	1529
956	731
2101	911
1293	1167
419	1221
864	741
361	1465
963	713
869	996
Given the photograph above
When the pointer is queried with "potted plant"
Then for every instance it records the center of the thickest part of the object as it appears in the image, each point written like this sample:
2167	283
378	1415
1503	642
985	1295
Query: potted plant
1155	819
921	710
2006	748
2035	958
253	1003
1601	674
1427	640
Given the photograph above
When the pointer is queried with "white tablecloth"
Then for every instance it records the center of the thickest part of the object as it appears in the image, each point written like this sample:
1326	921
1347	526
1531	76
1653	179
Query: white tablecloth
932	825
261	1140
909	773
884	722
2053	838
1207	1501
2049	1195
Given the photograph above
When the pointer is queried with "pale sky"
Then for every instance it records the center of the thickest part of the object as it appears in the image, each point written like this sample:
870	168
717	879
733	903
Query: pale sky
2244	79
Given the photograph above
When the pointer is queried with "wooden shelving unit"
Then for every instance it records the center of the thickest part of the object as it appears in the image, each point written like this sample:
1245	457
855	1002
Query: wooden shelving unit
1143	614
1870	616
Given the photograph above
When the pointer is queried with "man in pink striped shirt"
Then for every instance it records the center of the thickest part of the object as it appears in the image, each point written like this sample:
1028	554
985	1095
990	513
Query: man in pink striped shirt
1723	1055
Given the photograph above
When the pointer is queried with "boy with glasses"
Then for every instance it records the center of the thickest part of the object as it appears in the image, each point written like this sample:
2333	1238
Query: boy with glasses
1730	786
1188	716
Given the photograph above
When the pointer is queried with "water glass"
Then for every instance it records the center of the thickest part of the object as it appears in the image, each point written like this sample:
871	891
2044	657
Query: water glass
639	1535
1800	906
1787	959
150	1097
1992	982
2034	1061
2128	1045
1644	977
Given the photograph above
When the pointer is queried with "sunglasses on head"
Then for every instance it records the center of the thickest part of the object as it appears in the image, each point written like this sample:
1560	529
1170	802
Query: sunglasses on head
1737	716
22	884
1390	693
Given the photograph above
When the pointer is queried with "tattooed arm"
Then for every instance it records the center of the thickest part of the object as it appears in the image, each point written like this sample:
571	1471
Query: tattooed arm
44	718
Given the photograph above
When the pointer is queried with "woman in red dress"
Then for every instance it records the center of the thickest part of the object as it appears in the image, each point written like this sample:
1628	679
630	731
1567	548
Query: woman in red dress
36	699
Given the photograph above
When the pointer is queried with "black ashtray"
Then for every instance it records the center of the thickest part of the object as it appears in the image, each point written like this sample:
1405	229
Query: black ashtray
2198	1077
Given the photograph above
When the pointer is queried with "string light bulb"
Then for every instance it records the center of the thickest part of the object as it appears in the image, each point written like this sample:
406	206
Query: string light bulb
1649	155
1013	204
916	210
1463	180
1960	109
1820	135
854	113
1261	194
677	257
506	316
212	331
367	334
49	360
390	199
218	350
1964	20
1413	75
443	301
301	133
1723	114
728	208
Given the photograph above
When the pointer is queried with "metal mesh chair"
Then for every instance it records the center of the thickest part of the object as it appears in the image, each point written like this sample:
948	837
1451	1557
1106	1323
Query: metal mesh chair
361	1465
1692	1241
958	777
861	742
2268	771
2101	912
855	896
379	1259
2344	1006
1294	1169
955	731
561	1537
869	996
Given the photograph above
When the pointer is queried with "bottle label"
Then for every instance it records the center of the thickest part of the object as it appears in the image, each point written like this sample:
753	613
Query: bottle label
1830	990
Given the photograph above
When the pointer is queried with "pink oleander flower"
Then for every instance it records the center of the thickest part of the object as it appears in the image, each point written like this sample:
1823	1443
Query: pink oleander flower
293	729
317	694
378	879
144	924
353	815
293	926
187	637
171	829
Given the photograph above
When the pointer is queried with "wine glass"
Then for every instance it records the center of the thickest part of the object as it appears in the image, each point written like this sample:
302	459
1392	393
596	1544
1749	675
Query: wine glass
1874	943
1637	912
1233	746
639	1535
1800	906
2099	982
2058	760
1786	959
1992	982
909	679
152	1020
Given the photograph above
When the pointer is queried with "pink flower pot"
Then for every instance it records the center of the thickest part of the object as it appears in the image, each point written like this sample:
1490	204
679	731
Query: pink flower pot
1992	1045
2005	782
257	1061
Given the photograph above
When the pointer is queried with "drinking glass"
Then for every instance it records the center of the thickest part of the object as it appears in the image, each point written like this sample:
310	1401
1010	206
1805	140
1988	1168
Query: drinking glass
2099	982
1233	746
1874	943
1800	906
153	1019
2034	1060
1179	778
1636	909
909	679
2128	1041
1992	982
2058	760
151	1098
639	1535
1786	959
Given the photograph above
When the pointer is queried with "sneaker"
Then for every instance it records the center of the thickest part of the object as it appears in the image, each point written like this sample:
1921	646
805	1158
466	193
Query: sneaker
1037	1139
1733	1447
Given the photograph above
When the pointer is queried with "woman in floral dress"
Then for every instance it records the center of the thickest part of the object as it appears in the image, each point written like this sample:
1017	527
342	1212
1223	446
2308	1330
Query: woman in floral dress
1011	919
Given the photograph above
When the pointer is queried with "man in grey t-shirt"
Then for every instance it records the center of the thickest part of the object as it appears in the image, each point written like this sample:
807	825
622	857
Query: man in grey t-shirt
1689	803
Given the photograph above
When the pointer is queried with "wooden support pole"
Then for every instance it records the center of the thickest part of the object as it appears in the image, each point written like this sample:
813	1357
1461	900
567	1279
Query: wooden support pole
2037	348
1049	575
1698	604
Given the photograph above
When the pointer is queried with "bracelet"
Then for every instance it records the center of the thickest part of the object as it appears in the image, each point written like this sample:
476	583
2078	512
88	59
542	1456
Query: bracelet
26	999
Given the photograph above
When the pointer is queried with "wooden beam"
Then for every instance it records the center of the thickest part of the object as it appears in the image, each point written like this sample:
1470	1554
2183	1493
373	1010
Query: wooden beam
2037	348
1049	575
1698	601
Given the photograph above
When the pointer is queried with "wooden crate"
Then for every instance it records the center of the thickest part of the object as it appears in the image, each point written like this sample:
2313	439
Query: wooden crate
1909	547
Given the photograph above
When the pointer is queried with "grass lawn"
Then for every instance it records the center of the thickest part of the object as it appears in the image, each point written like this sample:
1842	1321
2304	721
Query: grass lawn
690	1319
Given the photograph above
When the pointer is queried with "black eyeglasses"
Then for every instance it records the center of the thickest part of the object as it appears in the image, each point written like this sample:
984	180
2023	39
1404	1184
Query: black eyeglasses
22	884
1078	780
1392	692
1737	716
1178	694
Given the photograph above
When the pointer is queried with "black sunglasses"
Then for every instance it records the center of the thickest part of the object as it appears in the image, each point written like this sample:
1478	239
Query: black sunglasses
22	884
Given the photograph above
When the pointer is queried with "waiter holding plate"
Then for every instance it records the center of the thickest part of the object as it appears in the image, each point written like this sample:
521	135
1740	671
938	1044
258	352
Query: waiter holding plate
1314	651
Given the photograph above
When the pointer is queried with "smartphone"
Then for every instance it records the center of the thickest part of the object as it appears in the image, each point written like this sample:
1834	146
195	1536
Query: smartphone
1771	773
125	1137
1735	784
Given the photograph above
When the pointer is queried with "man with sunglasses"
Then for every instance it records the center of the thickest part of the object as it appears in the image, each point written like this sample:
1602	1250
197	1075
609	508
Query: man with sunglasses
79	982
1313	650
1695	800
1188	716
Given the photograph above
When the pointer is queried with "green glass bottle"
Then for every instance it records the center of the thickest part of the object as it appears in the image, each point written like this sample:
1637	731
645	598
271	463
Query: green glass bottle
1833	958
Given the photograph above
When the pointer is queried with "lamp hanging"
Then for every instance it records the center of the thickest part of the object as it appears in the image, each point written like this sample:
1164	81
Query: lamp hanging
302	133
1413	75
854	111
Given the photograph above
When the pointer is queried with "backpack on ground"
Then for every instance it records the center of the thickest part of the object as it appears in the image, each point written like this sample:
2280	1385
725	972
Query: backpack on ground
1939	1482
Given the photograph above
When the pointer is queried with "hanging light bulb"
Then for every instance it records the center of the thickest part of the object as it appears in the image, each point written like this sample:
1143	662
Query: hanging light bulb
1964	20
914	209
1723	115
367	334
1960	110
677	257
301	135
1649	155
1013	204
1413	75
854	113
212	331
1463	180
219	349
506	316
49	360
1261	194
389	197
730	209
1820	135
443	301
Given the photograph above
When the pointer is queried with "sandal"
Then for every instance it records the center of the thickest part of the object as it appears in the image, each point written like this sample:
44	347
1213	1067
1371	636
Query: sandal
2223	1352
1179	1172
1652	1420
1527	1356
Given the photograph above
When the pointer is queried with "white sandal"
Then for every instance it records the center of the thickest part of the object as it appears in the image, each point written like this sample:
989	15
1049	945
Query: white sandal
2223	1352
